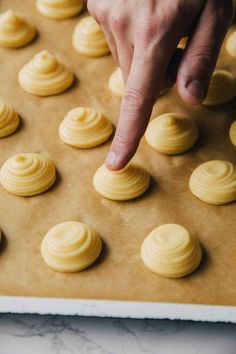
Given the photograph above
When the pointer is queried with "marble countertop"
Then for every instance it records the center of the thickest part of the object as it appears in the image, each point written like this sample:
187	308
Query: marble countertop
34	334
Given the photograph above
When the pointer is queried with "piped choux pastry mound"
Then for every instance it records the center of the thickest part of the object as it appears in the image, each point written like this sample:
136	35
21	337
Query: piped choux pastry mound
59	9
170	251
44	75
70	247
214	182
232	133
126	184
9	119
222	88
171	133
84	127
231	44
15	31
89	39
27	174
116	83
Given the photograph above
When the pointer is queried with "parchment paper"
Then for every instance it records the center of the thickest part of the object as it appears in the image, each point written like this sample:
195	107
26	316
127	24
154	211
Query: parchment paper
120	273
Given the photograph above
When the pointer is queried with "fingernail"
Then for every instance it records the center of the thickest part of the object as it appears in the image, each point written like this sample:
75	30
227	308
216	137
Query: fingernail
111	159
197	89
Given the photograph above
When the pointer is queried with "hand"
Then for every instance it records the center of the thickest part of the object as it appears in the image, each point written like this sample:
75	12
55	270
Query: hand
143	36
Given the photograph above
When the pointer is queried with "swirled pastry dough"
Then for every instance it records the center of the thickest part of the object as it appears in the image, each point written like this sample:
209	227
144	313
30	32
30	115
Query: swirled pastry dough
27	174
171	133
214	182
71	247
231	44
89	39
15	31
126	184
84	127
44	75
232	133
170	251
116	83
9	119
222	88
59	9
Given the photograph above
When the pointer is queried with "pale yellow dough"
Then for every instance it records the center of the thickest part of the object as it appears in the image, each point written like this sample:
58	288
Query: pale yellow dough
232	133
9	119
89	39
231	44
59	9
183	42
44	75
170	251
15	31
27	174
214	182
116	83
126	184
71	247
171	133
222	88
84	127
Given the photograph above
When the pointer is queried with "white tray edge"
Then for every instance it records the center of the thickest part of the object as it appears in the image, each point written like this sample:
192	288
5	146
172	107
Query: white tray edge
122	309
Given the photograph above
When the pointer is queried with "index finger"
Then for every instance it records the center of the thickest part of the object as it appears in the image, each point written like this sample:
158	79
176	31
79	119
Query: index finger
144	82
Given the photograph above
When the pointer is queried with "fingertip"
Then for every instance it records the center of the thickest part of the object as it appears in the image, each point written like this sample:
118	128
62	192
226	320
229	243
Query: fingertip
114	162
192	91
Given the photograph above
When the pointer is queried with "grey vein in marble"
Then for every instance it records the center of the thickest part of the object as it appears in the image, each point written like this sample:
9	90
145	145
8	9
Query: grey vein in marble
34	334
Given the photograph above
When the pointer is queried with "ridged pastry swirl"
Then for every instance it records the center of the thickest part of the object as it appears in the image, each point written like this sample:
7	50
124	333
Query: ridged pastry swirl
70	247
15	31
222	88
231	44
116	83
59	9
214	182
9	119
89	39
171	133
232	133
44	75
126	184
84	127
170	251
27	174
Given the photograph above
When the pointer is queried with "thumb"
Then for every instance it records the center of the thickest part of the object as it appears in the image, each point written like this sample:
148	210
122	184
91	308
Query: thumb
202	51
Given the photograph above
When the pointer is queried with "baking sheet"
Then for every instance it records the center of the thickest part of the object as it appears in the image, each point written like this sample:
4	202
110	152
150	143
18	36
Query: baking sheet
119	274
114	308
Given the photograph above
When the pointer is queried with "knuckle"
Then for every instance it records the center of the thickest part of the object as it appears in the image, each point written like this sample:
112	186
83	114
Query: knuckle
117	21
134	99
203	60
204	55
145	32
